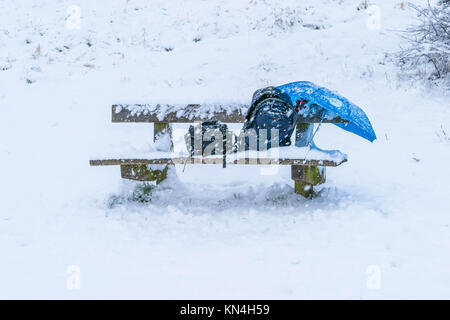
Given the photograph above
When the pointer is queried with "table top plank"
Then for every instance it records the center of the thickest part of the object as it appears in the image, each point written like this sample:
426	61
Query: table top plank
173	113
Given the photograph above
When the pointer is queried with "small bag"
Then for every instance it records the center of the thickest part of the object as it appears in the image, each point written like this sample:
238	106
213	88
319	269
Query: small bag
213	139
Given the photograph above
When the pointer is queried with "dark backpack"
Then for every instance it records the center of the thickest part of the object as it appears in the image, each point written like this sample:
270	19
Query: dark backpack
270	109
218	142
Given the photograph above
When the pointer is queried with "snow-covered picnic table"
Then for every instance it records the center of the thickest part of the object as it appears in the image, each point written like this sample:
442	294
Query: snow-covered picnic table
152	164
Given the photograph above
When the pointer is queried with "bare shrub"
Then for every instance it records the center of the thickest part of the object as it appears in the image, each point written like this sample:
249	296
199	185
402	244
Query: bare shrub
427	55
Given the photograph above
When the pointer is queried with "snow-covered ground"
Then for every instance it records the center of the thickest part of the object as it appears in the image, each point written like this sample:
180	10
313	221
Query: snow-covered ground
379	229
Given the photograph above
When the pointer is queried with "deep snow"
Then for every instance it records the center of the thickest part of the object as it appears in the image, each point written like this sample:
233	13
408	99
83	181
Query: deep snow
214	233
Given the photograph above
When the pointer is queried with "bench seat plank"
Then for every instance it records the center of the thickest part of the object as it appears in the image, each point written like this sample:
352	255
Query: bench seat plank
217	160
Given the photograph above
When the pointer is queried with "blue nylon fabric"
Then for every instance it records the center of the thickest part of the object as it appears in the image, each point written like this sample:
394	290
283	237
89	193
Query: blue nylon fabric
359	123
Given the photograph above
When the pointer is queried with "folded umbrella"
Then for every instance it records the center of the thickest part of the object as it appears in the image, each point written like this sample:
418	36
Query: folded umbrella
358	122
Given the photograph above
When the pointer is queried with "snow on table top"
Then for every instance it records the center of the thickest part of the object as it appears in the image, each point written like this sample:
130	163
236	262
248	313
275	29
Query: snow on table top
190	111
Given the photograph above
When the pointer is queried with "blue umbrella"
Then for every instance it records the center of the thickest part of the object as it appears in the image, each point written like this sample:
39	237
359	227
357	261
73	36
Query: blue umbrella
358	123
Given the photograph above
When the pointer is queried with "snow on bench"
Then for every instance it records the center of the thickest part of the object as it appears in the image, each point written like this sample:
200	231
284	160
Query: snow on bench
281	156
181	113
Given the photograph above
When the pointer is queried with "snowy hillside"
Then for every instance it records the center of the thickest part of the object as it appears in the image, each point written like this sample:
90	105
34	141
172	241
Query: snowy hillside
215	233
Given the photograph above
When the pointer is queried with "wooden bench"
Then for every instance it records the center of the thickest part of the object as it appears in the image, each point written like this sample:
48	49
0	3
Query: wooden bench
306	173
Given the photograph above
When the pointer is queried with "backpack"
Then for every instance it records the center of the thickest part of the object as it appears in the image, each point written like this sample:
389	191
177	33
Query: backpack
213	137
270	109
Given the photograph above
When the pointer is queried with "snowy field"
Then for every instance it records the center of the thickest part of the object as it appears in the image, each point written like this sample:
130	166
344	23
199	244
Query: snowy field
379	229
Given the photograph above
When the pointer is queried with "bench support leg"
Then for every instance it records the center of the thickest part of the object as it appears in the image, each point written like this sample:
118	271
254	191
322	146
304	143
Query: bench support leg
303	188
143	172
303	134
306	177
162	137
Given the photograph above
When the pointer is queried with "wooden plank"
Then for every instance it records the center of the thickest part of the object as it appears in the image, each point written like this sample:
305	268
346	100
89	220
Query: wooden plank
216	160
190	113
194	112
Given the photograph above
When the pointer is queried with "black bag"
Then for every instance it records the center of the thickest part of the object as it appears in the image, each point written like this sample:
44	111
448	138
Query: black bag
271	109
208	137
